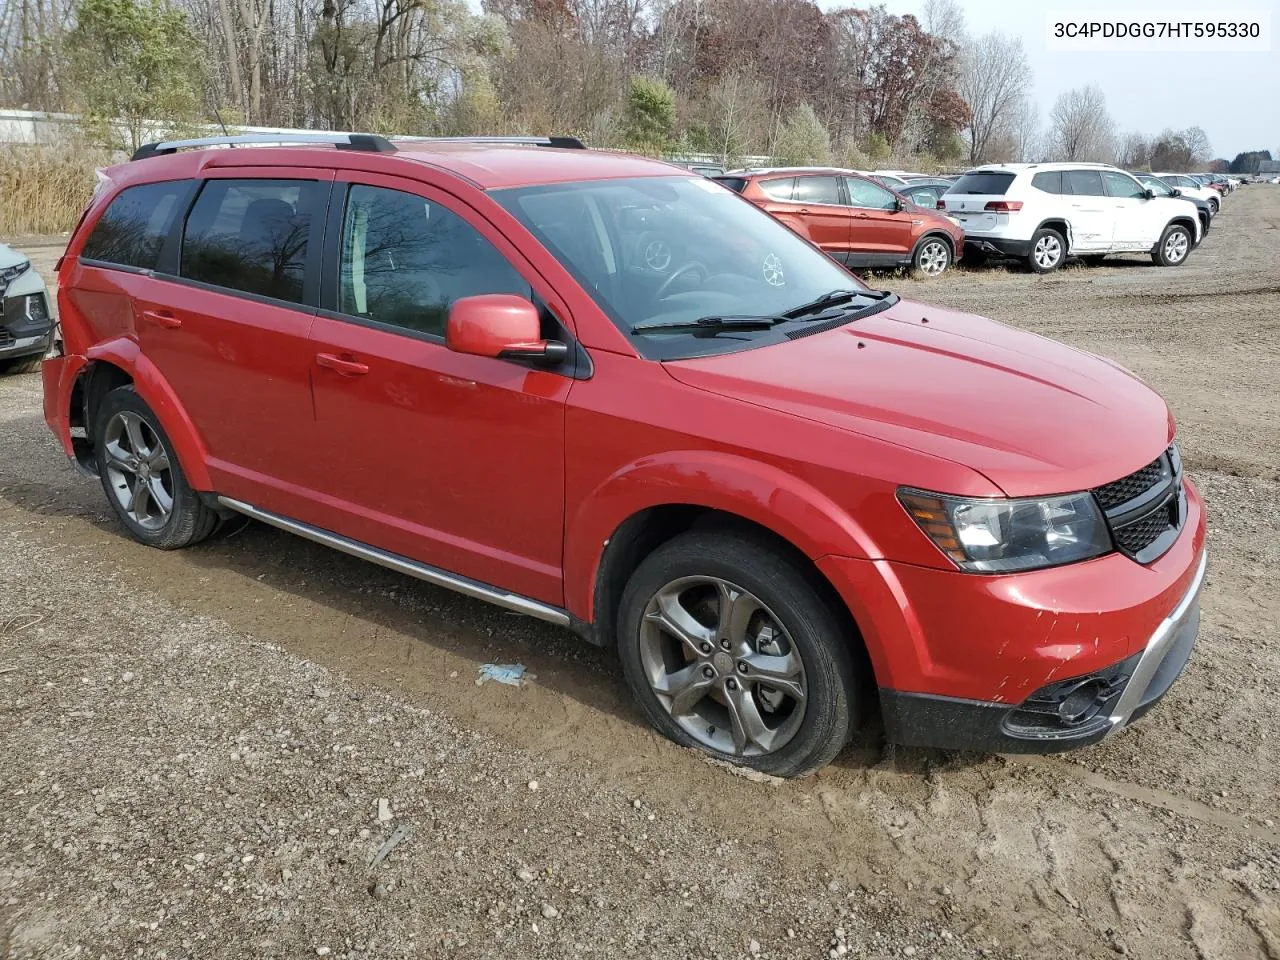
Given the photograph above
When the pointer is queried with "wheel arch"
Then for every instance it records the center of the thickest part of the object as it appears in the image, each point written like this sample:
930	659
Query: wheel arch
120	362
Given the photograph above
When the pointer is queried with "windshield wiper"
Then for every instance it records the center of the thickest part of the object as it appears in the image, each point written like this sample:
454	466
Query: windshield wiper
712	324
832	299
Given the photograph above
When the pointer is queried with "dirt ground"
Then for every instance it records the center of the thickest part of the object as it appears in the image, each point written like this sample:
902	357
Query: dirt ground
195	747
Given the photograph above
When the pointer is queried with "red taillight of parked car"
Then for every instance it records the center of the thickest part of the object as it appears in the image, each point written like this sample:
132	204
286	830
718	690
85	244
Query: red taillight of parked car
1003	206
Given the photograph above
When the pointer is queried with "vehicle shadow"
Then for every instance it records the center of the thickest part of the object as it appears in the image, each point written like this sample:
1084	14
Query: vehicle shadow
383	627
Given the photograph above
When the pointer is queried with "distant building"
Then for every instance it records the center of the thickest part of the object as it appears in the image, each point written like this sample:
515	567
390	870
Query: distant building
1268	168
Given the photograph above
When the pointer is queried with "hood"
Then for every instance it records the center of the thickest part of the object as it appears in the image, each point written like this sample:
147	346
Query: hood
1032	415
9	256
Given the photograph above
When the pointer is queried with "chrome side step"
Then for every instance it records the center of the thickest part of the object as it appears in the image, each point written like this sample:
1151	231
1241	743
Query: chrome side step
393	561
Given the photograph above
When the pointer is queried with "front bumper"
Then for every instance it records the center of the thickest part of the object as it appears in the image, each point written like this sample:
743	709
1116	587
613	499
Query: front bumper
1062	715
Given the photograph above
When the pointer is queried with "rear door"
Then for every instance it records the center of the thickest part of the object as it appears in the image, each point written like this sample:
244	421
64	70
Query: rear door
453	460
881	232
1090	211
820	204
228	321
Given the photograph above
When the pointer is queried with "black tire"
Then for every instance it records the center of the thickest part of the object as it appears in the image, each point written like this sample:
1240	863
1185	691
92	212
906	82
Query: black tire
1174	246
188	519
932	256
1048	250
810	627
1093	259
21	364
1214	206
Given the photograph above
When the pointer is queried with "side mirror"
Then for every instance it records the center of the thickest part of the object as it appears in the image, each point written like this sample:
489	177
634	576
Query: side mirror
502	326
1177	192
899	204
1149	193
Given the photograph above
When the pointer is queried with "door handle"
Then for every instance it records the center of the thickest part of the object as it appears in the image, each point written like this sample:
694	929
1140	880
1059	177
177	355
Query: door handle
343	365
163	318
804	209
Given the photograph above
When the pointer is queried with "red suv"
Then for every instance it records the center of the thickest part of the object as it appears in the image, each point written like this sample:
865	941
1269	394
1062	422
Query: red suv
624	400
858	221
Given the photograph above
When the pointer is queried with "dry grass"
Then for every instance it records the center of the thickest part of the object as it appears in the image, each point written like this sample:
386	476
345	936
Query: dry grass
43	189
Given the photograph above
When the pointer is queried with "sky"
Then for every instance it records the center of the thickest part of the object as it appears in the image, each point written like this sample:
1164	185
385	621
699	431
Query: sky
1233	97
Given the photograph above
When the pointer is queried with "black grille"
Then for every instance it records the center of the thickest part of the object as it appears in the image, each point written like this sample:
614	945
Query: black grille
1146	509
1121	491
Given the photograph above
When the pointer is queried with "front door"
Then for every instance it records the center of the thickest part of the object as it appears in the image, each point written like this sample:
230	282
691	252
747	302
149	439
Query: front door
226	320
821	207
881	233
452	460
1131	211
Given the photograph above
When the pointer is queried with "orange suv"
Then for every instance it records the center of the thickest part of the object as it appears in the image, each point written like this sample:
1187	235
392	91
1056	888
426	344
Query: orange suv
857	221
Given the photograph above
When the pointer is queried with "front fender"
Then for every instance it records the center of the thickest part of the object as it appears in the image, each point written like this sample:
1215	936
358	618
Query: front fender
151	385
762	493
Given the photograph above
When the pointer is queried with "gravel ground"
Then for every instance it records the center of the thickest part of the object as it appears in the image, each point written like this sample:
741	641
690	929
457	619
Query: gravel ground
202	752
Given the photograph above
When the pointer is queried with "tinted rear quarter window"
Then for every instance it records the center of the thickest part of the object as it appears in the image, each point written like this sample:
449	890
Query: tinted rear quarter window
135	225
251	235
1085	183
736	184
1048	182
988	184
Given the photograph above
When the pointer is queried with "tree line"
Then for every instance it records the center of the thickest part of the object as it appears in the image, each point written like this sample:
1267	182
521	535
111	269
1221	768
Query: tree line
728	78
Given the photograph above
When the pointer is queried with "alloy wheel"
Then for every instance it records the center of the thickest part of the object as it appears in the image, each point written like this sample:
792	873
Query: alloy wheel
138	470
722	665
1175	247
934	258
1048	251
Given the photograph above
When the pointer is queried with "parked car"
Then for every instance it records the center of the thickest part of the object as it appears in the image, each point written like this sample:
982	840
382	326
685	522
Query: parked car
703	169
1190	187
925	191
854	219
1044	212
789	501
885	178
26	325
1162	189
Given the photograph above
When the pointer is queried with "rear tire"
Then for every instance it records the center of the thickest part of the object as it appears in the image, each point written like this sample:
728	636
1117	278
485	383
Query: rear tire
142	478
1174	246
1048	250
21	364
706	621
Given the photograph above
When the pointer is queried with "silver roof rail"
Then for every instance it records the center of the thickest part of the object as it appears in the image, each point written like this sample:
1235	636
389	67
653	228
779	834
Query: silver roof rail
343	141
348	141
564	143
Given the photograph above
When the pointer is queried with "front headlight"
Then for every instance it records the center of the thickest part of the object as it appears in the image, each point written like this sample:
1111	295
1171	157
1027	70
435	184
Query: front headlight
1004	536
10	274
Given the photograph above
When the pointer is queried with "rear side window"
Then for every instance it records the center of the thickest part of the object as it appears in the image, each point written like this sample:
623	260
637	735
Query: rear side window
1085	183
252	236
736	184
779	189
817	190
1118	185
986	183
1048	182
134	228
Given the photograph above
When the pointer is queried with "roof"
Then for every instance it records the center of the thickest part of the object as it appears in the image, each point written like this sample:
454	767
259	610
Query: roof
489	166
1269	166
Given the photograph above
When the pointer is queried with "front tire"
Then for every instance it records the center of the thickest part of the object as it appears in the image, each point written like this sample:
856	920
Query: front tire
142	478
1048	250
728	647
932	257
1174	245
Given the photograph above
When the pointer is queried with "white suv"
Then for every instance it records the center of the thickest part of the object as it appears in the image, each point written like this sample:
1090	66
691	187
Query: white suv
1045	212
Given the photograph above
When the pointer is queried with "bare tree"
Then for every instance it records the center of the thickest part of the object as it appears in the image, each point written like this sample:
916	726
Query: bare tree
1198	147
993	80
1080	127
1133	151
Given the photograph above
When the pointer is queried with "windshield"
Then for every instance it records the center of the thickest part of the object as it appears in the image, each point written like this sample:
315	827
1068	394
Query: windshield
673	250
